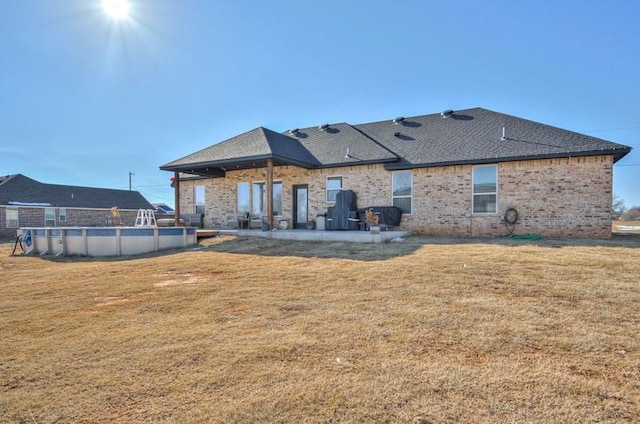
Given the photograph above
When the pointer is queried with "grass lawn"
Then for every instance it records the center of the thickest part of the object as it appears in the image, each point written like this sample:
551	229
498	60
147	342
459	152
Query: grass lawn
259	330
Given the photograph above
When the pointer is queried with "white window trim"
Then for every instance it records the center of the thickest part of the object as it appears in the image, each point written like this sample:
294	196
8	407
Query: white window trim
195	198
250	187
52	212
281	200
17	220
403	197
264	185
473	193
326	187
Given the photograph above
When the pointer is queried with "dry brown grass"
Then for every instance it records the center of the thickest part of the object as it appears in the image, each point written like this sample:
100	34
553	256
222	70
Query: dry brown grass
251	330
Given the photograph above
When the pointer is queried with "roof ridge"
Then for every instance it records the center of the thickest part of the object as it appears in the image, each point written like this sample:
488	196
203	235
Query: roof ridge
555	127
376	142
6	178
424	115
84	187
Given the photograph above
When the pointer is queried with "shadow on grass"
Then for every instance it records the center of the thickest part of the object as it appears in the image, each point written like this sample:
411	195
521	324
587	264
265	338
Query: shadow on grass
317	249
389	250
346	250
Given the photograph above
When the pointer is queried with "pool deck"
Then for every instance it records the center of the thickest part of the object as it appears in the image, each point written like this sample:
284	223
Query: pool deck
316	235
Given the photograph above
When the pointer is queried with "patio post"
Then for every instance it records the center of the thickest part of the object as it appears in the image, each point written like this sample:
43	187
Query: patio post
270	193
176	187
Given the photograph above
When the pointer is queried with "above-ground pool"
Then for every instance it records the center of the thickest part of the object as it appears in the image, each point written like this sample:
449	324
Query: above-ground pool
104	241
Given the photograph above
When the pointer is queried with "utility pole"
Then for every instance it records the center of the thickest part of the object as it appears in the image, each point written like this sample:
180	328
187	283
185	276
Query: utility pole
130	174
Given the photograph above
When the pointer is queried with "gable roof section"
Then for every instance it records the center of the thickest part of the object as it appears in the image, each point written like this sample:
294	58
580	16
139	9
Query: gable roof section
22	191
462	137
335	145
255	145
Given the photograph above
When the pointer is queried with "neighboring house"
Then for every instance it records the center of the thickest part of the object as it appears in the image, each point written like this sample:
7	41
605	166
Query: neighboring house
452	174
25	202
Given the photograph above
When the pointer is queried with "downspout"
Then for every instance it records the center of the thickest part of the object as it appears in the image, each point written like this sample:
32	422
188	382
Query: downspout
176	187
270	193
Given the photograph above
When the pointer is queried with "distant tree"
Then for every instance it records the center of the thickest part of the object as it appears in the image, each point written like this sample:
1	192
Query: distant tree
618	207
632	214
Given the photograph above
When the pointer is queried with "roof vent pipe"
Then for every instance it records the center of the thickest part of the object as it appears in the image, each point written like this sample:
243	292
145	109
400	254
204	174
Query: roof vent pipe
504	134
447	113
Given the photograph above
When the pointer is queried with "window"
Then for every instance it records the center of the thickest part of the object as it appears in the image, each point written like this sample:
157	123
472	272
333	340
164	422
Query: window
334	185
277	198
62	215
243	199
199	199
49	217
259	198
402	189
485	189
12	217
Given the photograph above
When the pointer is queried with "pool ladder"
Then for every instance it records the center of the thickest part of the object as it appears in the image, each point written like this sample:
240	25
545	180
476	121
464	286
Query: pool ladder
146	218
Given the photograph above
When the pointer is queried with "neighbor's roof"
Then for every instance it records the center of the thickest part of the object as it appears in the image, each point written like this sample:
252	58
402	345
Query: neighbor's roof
462	137
23	191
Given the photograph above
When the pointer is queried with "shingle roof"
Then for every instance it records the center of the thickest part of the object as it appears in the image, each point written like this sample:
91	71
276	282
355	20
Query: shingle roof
20	190
465	136
476	136
259	143
329	145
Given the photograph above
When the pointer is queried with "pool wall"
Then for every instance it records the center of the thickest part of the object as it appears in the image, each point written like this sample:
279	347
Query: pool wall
104	241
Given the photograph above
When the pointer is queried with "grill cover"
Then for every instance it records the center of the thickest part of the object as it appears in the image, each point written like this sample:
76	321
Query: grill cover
389	216
338	215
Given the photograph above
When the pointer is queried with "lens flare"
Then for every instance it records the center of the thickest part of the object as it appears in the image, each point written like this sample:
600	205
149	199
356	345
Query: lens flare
116	9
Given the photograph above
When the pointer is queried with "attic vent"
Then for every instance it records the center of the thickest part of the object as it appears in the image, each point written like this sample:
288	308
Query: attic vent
323	127
398	120
447	113
397	134
294	131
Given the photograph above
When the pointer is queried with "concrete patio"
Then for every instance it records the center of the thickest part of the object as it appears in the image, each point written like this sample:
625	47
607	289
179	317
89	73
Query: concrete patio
319	235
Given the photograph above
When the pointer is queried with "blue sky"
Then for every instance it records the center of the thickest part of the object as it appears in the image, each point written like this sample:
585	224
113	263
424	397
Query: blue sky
85	99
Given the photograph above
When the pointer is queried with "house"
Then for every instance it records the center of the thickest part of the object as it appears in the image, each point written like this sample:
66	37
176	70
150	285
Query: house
163	209
25	202
454	173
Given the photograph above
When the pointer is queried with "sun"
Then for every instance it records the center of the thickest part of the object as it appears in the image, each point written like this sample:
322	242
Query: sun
116	9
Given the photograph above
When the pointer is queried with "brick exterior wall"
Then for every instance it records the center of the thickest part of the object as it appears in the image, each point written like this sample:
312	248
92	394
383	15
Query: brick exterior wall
34	217
567	197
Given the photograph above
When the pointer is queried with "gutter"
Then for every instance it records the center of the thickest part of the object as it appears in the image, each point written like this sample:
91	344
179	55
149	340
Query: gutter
617	154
